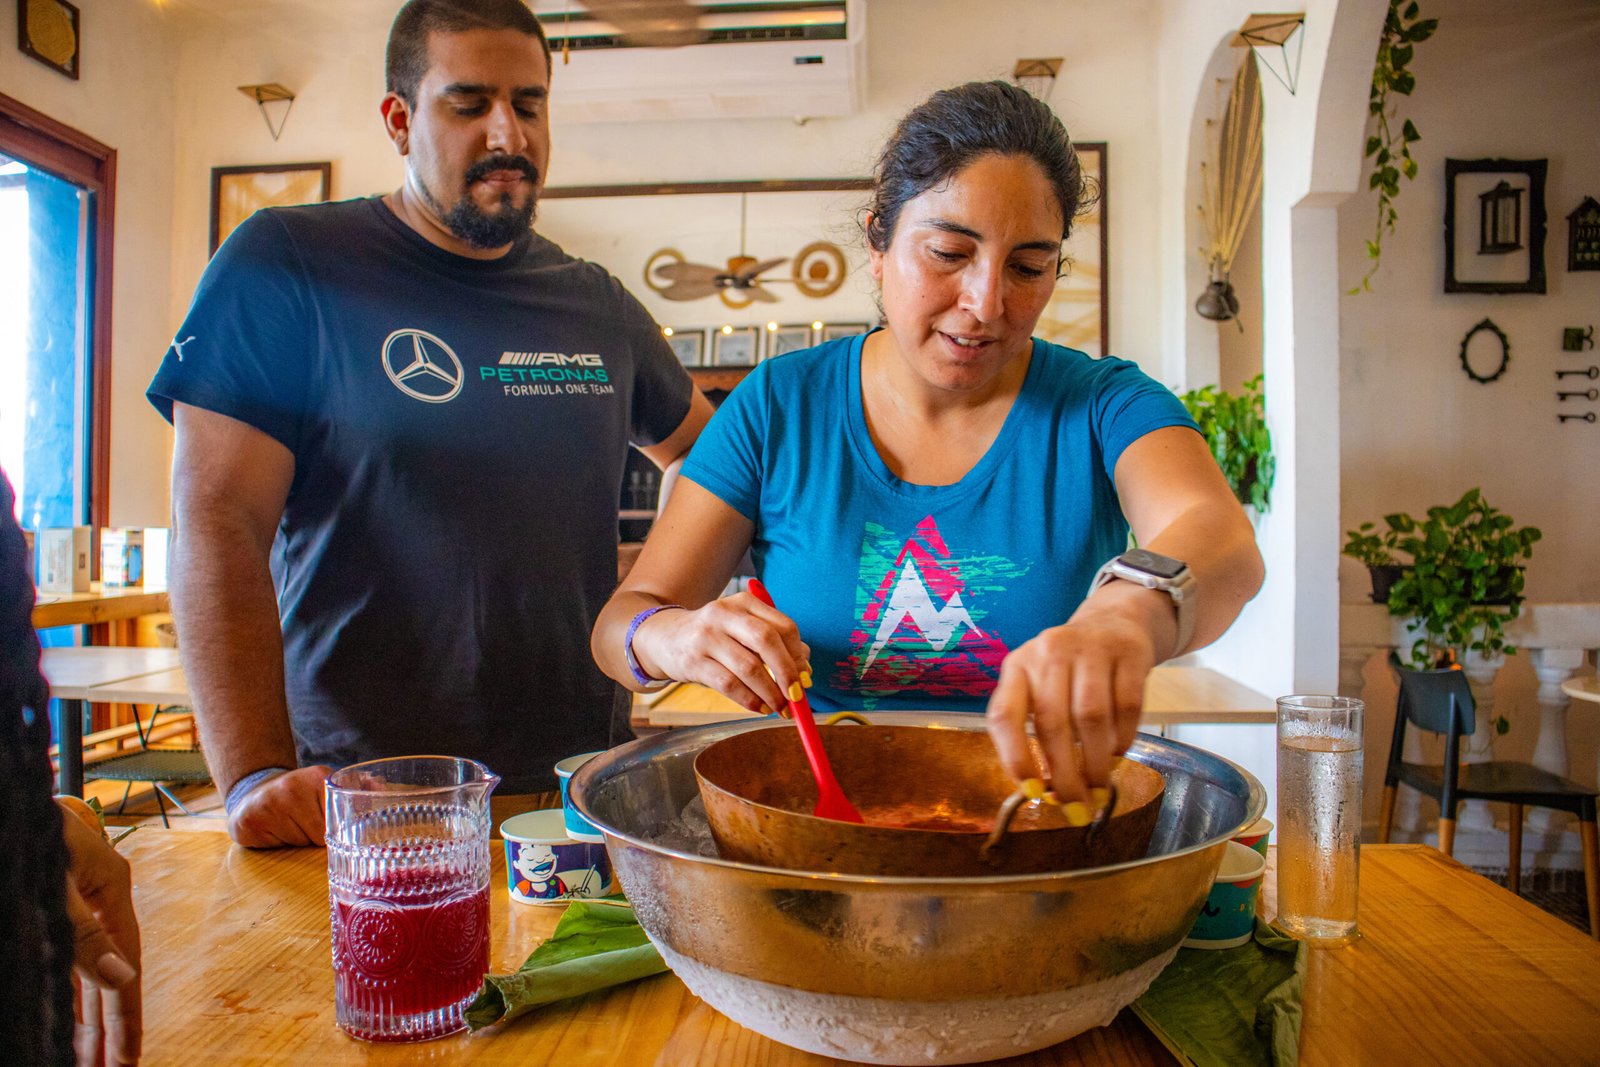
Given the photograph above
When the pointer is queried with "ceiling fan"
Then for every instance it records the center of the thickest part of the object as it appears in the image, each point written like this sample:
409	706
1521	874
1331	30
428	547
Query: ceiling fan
739	284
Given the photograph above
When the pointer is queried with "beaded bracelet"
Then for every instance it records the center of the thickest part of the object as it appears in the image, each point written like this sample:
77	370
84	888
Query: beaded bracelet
627	647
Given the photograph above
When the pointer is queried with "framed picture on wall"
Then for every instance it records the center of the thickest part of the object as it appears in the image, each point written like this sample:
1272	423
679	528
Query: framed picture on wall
1079	312
835	330
689	346
47	30
239	192
1494	225
788	339
735	347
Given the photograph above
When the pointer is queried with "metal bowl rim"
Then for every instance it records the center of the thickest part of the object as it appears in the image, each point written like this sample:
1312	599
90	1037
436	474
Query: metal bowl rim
1255	805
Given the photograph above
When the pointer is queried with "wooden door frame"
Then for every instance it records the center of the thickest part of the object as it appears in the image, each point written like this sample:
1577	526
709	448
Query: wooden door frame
58	149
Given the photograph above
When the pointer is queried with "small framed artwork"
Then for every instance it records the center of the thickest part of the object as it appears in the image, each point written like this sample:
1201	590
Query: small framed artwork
47	30
835	330
689	346
1494	225
788	339
239	192
737	347
1583	236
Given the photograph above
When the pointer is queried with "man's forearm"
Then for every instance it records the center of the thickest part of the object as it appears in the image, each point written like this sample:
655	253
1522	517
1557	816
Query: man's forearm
227	618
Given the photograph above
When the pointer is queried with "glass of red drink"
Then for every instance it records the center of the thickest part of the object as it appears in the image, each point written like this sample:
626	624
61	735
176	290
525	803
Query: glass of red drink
408	888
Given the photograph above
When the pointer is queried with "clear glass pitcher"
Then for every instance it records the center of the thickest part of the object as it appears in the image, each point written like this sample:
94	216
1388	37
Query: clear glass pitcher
408	885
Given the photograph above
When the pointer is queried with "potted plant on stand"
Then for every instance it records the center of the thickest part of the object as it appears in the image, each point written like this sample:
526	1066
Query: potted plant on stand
1460	578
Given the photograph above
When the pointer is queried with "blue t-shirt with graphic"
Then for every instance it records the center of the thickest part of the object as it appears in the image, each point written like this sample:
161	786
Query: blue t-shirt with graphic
911	595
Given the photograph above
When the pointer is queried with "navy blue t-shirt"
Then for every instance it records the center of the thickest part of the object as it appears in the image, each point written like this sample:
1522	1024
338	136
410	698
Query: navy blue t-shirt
459	430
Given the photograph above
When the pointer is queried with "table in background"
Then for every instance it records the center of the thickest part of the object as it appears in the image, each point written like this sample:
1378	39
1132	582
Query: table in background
99	605
1452	969
79	675
1172	696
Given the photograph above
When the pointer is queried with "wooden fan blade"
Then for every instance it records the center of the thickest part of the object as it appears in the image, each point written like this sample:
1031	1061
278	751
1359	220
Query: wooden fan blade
757	292
689	290
687	272
747	274
651	23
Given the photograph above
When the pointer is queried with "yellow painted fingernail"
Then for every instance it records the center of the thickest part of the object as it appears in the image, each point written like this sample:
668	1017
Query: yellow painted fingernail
1051	798
1077	813
805	679
1101	796
796	694
767	711
1032	788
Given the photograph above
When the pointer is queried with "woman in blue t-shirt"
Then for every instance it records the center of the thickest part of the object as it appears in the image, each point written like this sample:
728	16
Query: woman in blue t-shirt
939	506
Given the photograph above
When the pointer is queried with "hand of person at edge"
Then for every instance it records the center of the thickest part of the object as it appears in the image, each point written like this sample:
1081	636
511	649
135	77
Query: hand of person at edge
1082	684
282	811
745	650
107	1012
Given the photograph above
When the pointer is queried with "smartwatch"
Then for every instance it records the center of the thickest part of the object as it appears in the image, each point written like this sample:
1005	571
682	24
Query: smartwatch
1155	571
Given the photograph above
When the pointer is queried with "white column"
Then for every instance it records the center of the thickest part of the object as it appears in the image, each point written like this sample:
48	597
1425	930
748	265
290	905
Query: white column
1552	666
1478	746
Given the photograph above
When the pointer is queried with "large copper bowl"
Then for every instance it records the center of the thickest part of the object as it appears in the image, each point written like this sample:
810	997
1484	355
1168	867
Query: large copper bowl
929	797
928	970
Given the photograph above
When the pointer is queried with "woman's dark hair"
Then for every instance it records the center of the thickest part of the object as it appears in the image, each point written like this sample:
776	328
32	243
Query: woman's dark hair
951	129
36	951
407	57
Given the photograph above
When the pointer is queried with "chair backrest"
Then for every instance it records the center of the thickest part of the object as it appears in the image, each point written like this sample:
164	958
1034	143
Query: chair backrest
1434	700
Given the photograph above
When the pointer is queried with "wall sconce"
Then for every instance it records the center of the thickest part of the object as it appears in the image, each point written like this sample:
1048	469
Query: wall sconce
1500	219
271	98
1268	37
1037	76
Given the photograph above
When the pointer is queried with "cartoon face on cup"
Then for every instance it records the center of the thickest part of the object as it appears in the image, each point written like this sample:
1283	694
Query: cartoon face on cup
545	866
578	828
1228	917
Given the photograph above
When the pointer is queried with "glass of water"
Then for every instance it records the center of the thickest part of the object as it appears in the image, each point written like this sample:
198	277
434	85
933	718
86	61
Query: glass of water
1319	816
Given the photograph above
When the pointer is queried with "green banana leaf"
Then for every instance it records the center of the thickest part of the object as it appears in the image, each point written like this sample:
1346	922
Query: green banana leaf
596	945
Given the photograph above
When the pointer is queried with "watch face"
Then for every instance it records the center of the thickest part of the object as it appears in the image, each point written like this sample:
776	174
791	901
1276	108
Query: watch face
1153	563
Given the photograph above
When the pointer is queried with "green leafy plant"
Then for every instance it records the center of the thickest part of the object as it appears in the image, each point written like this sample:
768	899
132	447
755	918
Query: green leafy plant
1236	429
1390	152
1462	574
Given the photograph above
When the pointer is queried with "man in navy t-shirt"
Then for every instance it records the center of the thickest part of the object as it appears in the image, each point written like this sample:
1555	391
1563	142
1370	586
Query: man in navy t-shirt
401	430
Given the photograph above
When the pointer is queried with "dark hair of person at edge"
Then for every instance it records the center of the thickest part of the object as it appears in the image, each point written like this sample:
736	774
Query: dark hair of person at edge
36	948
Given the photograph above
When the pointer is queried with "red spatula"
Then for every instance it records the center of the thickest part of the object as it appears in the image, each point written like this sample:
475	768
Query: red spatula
831	801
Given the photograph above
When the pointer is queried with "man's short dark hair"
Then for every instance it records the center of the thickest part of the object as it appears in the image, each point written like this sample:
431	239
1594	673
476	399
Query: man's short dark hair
407	57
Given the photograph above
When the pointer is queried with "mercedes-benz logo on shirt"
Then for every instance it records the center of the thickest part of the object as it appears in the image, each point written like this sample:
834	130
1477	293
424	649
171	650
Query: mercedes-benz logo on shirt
422	366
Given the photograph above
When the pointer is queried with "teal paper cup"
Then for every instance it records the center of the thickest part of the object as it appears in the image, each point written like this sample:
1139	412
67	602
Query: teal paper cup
1256	836
1229	915
578	828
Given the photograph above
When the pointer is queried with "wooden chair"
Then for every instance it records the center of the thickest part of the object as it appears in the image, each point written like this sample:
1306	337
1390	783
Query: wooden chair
1441	702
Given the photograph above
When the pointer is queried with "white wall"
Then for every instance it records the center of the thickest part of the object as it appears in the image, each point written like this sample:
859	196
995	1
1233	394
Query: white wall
1513	81
123	98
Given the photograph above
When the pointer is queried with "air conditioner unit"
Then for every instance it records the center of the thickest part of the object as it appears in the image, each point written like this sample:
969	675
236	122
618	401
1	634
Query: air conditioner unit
760	59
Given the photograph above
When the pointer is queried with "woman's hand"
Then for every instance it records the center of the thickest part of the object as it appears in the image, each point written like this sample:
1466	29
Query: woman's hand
106	980
749	652
1082	684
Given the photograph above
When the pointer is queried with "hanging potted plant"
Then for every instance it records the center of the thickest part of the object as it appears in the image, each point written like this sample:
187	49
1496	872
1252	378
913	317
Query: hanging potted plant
1236	429
1461	576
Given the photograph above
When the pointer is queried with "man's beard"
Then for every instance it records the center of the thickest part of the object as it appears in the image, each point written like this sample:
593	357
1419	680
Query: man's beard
473	224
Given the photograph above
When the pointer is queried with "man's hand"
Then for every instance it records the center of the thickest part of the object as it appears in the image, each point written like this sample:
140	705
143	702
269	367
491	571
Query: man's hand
106	982
282	811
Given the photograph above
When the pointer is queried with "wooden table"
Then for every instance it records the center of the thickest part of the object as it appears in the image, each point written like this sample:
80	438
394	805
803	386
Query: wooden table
1452	970
97	606
79	675
1172	695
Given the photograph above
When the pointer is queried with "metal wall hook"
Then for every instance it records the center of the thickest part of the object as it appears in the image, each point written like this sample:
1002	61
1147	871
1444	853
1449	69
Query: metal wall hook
1592	372
1587	416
